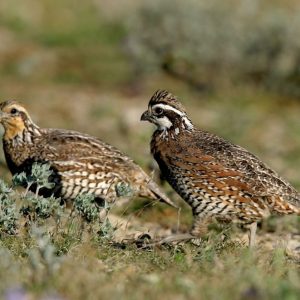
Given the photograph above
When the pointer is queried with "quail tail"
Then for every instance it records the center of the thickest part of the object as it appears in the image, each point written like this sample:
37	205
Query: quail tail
155	193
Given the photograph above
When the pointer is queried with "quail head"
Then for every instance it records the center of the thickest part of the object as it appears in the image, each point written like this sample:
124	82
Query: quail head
81	164
217	178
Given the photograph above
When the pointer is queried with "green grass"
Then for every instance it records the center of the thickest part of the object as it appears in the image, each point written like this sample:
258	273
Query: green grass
93	269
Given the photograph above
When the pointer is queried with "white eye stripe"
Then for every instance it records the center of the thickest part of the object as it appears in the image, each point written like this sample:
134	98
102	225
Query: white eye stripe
168	107
188	123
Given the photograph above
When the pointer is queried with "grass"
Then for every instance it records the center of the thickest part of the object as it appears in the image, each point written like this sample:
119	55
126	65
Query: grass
225	271
67	64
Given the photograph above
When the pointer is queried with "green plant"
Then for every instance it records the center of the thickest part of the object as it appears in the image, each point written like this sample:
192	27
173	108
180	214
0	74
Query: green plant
33	206
42	257
123	190
8	210
87	207
40	207
39	176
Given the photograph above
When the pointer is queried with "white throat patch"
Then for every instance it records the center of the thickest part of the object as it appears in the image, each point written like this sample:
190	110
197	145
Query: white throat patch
163	123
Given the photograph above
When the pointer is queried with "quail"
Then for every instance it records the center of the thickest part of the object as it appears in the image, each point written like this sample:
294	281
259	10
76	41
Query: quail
217	178
80	163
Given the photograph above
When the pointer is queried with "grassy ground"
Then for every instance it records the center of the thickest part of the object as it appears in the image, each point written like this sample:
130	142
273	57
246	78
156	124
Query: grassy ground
67	64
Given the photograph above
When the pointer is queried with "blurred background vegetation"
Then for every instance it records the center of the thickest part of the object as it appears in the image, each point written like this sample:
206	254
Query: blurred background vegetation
93	65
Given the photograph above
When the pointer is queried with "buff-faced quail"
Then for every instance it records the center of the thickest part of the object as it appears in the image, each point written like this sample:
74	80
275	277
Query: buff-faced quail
80	163
215	177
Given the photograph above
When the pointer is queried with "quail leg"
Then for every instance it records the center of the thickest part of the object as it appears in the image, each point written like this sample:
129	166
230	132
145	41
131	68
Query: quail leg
200	226
252	234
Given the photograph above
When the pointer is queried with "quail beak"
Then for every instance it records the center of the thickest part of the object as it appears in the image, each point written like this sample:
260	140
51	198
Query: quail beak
145	116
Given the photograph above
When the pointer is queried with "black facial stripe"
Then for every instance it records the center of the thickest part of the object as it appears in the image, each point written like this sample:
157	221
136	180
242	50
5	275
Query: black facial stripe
171	115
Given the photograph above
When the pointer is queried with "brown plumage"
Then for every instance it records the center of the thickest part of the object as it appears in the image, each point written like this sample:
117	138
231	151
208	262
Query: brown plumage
215	177
80	163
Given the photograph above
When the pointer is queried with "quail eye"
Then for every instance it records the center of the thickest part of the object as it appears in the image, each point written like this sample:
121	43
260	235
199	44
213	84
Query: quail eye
158	111
13	111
